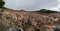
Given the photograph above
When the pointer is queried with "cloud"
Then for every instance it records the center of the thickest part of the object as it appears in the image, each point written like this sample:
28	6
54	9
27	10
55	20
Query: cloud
30	4
56	8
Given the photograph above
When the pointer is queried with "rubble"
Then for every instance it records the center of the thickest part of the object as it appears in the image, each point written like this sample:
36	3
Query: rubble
28	21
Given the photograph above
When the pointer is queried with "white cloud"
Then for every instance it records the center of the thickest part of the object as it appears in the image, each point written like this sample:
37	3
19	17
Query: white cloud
57	8
31	4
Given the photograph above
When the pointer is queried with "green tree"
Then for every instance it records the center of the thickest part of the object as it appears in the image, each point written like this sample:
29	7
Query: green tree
47	11
2	3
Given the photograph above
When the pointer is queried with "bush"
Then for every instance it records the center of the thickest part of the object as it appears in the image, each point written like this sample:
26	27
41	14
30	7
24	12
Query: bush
2	3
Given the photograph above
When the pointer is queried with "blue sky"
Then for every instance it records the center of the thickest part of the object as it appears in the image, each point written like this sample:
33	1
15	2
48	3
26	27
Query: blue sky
32	5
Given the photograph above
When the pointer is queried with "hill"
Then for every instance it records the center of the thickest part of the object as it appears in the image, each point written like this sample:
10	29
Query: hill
14	20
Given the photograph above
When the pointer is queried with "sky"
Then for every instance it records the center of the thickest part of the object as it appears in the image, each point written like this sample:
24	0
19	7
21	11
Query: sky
32	5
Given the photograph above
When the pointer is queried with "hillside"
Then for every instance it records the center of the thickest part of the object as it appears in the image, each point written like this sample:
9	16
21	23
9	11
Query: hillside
13	20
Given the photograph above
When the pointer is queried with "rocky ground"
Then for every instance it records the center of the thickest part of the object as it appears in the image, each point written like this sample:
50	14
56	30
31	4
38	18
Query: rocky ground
11	20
